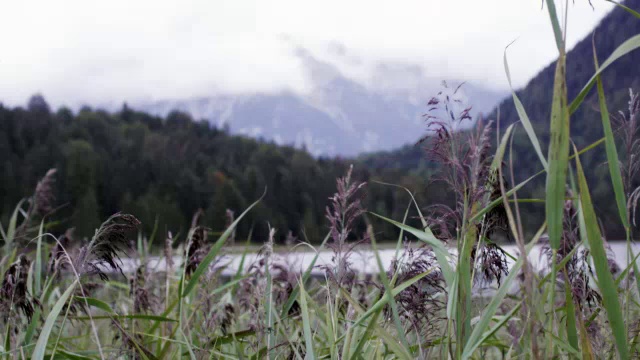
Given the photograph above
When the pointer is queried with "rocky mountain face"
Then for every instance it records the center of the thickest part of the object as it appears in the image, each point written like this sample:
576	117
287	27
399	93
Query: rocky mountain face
338	115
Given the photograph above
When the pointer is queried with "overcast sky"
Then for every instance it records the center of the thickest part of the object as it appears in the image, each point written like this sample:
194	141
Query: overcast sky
86	51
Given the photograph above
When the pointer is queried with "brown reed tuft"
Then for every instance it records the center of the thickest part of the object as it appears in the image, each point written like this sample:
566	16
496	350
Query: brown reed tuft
14	296
196	250
345	208
103	252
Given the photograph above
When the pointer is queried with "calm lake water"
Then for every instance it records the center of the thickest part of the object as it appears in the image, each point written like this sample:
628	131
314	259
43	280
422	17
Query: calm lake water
363	260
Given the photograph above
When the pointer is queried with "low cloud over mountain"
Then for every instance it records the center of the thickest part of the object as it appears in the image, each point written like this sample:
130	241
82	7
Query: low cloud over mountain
340	113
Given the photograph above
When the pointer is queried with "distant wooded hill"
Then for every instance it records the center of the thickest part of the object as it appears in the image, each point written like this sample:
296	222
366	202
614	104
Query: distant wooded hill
166	168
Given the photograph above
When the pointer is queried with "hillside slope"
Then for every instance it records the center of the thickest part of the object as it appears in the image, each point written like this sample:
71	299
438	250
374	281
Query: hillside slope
586	125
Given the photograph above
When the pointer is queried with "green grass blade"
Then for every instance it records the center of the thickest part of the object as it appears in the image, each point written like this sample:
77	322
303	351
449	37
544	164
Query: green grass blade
626	8
229	338
612	152
306	323
478	215
62	354
383	301
499	325
388	292
204	265
134	316
426	236
624	48
43	339
240	269
38	263
497	159
400	351
524	118
13	223
233	283
555	23
562	344
33	325
599	256
96	303
305	277
366	335
188	345
268	305
413	199
623	274
7	341
154	232
510	192
572	334
401	234
558	156
476	338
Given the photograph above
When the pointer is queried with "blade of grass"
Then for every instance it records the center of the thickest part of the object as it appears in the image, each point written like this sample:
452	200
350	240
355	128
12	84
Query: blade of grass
557	173
572	335
413	199
586	349
610	146
499	200
305	278
7	342
33	325
555	23
522	114
489	333
497	158
388	291
558	155
96	303
240	269
204	265
134	316
626	8
561	343
268	301
38	262
392	343
13	223
476	338
427	236
188	345
624	48
306	323
152	237
227	339
41	345
383	301
599	256
401	234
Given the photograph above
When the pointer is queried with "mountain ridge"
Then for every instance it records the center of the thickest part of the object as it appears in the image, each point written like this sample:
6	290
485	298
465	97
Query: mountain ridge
338	116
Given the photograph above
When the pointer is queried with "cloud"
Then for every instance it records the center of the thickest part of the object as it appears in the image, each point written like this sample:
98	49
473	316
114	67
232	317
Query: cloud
100	52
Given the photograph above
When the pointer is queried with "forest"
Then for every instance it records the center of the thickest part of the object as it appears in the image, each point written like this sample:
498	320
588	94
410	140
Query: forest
164	169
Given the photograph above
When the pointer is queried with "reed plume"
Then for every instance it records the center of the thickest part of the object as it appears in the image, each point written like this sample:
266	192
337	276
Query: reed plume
14	296
103	252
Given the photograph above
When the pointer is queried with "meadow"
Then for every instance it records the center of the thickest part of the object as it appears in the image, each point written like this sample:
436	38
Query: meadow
65	299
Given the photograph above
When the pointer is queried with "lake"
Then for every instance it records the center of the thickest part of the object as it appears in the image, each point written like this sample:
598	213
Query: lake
363	260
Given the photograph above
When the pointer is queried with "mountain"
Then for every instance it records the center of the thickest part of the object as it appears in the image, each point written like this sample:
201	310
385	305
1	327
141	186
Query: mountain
337	116
165	168
586	123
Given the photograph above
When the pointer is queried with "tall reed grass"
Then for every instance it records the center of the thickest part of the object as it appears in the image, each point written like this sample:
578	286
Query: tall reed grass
63	298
